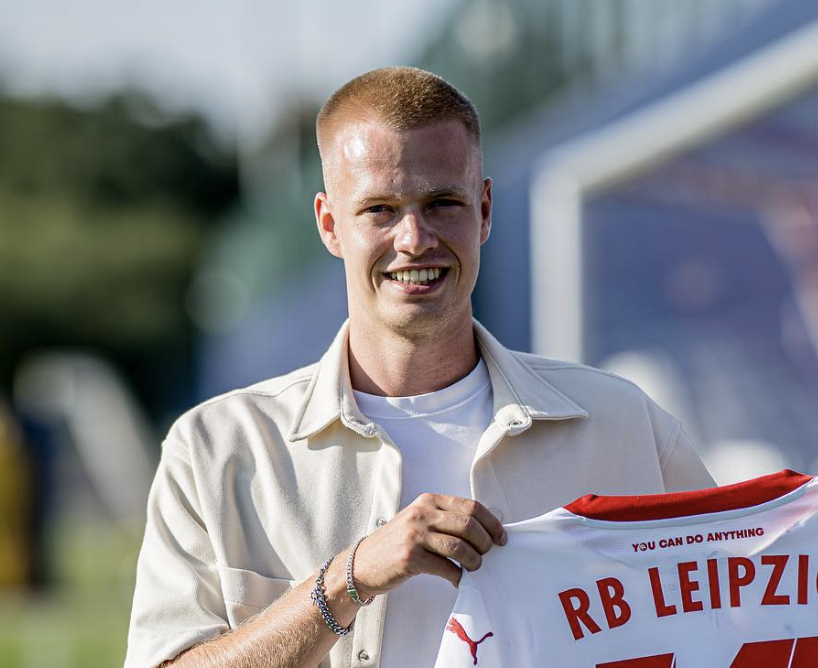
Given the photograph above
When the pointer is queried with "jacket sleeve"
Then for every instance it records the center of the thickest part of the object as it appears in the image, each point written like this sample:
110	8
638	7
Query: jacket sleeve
178	599
682	469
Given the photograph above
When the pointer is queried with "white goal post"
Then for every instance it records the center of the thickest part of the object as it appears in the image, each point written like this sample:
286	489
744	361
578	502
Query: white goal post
570	172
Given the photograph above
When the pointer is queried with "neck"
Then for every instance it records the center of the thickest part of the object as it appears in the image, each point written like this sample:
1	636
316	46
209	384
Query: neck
390	365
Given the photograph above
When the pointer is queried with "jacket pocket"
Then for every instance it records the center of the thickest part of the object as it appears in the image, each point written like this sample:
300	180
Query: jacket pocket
247	592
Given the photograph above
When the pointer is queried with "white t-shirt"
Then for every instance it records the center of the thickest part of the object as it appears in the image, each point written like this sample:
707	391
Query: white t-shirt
437	434
722	578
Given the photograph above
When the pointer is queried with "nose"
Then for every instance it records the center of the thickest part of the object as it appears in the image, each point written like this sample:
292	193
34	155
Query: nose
413	236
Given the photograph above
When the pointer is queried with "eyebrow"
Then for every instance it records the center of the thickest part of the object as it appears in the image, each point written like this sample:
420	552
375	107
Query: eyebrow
425	194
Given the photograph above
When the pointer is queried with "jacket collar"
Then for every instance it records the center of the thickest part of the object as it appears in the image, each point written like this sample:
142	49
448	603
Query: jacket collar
520	394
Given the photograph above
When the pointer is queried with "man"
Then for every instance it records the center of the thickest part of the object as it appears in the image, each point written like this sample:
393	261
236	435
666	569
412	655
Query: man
416	429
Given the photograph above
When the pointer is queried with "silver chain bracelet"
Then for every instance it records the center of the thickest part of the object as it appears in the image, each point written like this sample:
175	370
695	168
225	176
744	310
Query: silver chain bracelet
351	590
319	599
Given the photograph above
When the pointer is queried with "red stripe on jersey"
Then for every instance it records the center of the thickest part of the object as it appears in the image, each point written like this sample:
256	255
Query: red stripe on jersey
684	504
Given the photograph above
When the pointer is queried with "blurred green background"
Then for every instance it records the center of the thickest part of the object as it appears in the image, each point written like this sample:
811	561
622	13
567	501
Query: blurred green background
104	209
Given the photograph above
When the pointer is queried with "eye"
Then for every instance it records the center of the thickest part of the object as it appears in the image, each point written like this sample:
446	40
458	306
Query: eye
444	202
378	208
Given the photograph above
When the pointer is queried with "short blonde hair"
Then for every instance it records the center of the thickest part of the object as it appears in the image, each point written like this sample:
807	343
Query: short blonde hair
401	98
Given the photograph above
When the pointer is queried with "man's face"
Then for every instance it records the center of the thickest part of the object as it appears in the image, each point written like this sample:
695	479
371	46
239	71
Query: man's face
400	202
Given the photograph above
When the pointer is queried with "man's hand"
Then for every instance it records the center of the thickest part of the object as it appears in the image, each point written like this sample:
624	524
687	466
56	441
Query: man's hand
422	538
418	540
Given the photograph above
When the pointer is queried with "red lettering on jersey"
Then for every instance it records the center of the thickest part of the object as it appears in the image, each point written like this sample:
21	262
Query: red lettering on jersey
688	586
779	563
806	653
738	581
713	583
662	609
658	661
674	541
579	613
767	654
803	574
785	653
610	601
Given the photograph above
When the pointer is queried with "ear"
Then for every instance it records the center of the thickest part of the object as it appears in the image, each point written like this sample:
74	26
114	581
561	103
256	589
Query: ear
326	225
485	211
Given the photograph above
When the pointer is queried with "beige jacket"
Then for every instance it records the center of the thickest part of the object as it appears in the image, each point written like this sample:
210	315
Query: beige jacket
256	488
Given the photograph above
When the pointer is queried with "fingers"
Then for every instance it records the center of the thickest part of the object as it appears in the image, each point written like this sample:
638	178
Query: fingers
434	534
447	529
386	558
452	547
434	564
471	508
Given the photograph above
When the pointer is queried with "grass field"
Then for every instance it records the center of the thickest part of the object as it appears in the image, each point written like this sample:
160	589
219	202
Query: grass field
83	620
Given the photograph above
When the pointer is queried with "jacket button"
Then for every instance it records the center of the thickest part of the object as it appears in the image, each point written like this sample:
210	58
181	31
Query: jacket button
363	656
380	521
497	513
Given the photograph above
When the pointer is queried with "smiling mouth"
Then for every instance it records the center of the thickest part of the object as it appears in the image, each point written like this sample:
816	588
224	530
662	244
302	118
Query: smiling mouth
417	276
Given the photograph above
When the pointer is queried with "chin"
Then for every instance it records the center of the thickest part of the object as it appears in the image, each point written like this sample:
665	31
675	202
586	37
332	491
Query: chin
421	323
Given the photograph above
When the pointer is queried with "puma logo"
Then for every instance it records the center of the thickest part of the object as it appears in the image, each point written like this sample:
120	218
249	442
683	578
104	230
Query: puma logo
455	627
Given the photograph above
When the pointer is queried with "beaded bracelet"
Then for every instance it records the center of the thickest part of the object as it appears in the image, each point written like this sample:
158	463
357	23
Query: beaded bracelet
319	599
351	590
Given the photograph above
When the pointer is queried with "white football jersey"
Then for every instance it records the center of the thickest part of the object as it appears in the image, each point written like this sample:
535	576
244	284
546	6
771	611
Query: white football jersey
717	578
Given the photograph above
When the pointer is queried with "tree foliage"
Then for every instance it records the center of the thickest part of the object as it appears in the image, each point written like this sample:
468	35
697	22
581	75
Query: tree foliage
102	212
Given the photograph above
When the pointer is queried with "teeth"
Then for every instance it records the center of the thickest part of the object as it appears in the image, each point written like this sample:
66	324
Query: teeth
415	276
